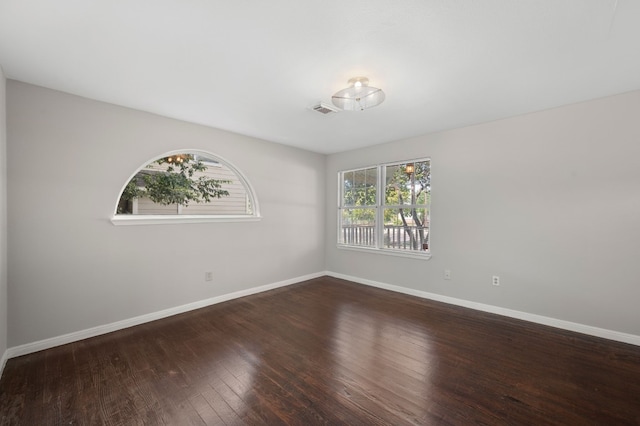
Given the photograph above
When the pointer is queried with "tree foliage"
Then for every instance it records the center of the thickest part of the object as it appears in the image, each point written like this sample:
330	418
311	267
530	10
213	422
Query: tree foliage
360	196
178	183
412	190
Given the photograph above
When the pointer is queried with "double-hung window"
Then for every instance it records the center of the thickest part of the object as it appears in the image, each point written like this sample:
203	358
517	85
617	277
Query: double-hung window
386	208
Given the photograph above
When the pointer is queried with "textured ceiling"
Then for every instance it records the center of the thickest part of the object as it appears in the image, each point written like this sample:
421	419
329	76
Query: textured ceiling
256	67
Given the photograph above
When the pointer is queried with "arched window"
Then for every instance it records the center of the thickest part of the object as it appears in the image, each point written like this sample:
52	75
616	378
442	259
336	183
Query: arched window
186	186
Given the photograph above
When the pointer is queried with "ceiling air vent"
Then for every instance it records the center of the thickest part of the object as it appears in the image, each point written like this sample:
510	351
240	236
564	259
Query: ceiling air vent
324	109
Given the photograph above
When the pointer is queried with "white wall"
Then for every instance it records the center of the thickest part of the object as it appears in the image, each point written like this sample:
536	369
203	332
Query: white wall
549	201
70	269
3	219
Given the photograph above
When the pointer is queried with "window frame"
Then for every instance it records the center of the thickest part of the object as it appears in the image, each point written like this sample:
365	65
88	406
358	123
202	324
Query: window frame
380	207
254	216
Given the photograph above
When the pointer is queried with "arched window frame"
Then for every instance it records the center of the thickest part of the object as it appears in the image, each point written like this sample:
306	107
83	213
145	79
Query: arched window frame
120	219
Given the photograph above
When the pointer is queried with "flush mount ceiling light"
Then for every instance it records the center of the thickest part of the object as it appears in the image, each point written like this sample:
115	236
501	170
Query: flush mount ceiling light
358	96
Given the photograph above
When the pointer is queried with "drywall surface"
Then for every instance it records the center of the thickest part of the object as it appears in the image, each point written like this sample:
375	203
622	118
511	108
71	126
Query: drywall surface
549	202
71	269
3	216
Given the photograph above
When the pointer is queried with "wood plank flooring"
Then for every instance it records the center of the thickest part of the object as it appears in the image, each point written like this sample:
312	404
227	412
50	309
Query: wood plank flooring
328	352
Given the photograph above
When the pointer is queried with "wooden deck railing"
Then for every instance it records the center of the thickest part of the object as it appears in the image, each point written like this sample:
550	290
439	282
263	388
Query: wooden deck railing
399	237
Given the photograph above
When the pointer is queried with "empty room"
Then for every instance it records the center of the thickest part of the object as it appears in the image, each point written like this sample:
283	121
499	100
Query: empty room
319	213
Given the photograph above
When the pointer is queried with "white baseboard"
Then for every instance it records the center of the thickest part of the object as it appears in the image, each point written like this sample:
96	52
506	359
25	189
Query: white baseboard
553	322
3	361
119	325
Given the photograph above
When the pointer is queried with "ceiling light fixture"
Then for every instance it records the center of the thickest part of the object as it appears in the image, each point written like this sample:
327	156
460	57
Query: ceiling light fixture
358	96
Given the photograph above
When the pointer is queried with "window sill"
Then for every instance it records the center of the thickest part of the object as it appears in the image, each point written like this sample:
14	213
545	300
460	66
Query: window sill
388	252
127	220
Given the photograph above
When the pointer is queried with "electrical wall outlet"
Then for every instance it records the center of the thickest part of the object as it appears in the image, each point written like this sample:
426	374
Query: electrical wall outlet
495	280
447	274
208	276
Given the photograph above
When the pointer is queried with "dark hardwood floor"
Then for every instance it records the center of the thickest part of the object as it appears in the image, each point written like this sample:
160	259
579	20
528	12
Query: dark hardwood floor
328	351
